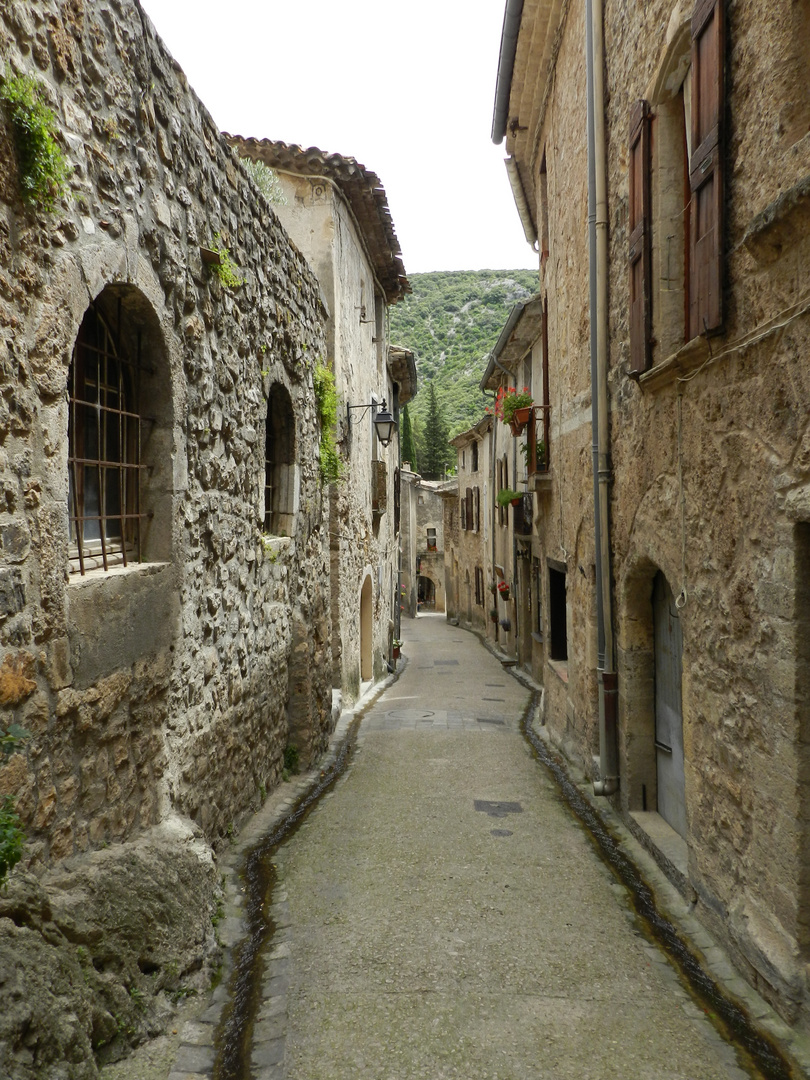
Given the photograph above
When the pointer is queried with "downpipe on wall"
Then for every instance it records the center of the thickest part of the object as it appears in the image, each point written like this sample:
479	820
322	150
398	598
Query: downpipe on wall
598	274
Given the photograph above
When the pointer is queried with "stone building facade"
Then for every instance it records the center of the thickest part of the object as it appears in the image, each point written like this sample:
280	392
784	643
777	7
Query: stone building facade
336	213
167	600
180	592
674	519
470	547
423	544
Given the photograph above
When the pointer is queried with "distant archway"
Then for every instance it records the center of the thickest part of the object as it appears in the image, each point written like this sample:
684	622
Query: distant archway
426	594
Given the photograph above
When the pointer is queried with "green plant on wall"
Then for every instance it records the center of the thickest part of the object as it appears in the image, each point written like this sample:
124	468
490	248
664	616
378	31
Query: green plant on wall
11	830
266	180
225	269
326	399
43	167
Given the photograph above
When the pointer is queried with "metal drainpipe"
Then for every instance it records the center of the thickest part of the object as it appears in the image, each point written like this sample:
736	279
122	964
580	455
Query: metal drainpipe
598	262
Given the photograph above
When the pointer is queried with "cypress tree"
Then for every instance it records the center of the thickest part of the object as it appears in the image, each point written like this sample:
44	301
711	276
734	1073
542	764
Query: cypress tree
408	445
437	450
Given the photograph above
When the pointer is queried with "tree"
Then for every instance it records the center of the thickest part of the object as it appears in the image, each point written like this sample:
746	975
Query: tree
408	445
437	451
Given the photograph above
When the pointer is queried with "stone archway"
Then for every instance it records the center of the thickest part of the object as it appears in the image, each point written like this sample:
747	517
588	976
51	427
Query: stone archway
426	593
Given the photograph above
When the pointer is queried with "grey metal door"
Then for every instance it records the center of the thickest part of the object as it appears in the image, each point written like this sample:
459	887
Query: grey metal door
668	715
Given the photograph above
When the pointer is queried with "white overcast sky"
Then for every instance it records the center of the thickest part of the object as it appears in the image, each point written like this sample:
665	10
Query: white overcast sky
405	87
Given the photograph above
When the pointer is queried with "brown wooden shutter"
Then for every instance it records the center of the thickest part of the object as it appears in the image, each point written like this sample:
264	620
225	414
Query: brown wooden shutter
706	169
640	226
463	515
470	519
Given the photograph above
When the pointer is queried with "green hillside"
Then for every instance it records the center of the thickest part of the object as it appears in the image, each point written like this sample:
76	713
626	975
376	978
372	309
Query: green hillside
451	321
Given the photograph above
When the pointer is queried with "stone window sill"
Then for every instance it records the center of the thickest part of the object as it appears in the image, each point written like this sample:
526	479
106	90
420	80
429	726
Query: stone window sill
686	359
76	580
560	669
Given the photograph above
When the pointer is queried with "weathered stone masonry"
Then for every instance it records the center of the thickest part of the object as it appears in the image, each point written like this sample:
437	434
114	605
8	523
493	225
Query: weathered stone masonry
157	686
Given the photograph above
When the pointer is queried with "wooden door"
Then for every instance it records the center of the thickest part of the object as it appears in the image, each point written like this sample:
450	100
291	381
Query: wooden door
668	714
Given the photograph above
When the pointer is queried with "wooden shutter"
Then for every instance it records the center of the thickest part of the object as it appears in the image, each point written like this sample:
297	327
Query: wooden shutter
463	515
706	169
640	225
478	509
470	519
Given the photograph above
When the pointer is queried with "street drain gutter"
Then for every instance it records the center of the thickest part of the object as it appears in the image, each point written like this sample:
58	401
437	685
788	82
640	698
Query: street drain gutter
657	909
254	969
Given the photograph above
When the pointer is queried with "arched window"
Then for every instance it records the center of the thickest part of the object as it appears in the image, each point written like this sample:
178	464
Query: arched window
104	448
280	473
119	471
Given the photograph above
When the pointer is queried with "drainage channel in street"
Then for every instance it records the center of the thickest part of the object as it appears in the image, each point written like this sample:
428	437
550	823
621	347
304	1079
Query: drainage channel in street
758	1054
234	1044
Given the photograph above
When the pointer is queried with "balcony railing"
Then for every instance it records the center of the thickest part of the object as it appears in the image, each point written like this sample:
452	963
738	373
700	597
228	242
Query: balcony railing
539	430
522	515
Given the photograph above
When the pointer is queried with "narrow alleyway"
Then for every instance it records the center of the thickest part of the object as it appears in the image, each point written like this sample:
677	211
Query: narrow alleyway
441	914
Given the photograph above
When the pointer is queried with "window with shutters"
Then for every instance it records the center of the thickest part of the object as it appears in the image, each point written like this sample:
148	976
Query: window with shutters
675	250
477	508
639	227
706	170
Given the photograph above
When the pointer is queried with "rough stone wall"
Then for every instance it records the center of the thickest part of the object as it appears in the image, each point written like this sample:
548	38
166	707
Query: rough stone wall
452	534
430	515
472	547
712	474
563	502
408	485
160	685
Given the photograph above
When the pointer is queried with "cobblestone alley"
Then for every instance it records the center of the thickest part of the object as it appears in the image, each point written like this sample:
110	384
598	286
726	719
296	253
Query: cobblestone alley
442	914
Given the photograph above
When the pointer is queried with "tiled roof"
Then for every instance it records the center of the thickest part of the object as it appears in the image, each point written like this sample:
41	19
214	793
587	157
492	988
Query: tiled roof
362	190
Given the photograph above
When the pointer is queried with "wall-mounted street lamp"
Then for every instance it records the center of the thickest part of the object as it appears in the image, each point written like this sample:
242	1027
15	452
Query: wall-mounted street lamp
384	423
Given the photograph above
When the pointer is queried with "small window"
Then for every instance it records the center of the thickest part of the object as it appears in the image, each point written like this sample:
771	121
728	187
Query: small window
431	539
104	449
557	614
474	452
279	464
479	586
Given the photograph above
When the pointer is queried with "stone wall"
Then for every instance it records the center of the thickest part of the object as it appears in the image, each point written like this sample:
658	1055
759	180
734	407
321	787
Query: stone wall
362	536
160	685
713	475
710	462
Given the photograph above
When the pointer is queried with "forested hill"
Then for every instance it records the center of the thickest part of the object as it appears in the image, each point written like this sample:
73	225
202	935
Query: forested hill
451	321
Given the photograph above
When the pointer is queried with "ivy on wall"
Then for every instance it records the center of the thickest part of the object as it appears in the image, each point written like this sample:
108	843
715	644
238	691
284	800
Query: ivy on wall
331	466
43	167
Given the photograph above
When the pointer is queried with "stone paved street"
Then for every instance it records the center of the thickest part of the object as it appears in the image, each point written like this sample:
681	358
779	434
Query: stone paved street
448	918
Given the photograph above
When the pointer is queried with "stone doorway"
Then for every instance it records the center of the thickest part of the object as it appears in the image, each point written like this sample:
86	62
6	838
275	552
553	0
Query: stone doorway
668	651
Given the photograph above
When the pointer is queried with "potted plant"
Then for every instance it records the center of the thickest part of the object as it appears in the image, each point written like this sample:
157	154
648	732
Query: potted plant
507	495
513	407
396	646
503	590
539	455
493	615
506	624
